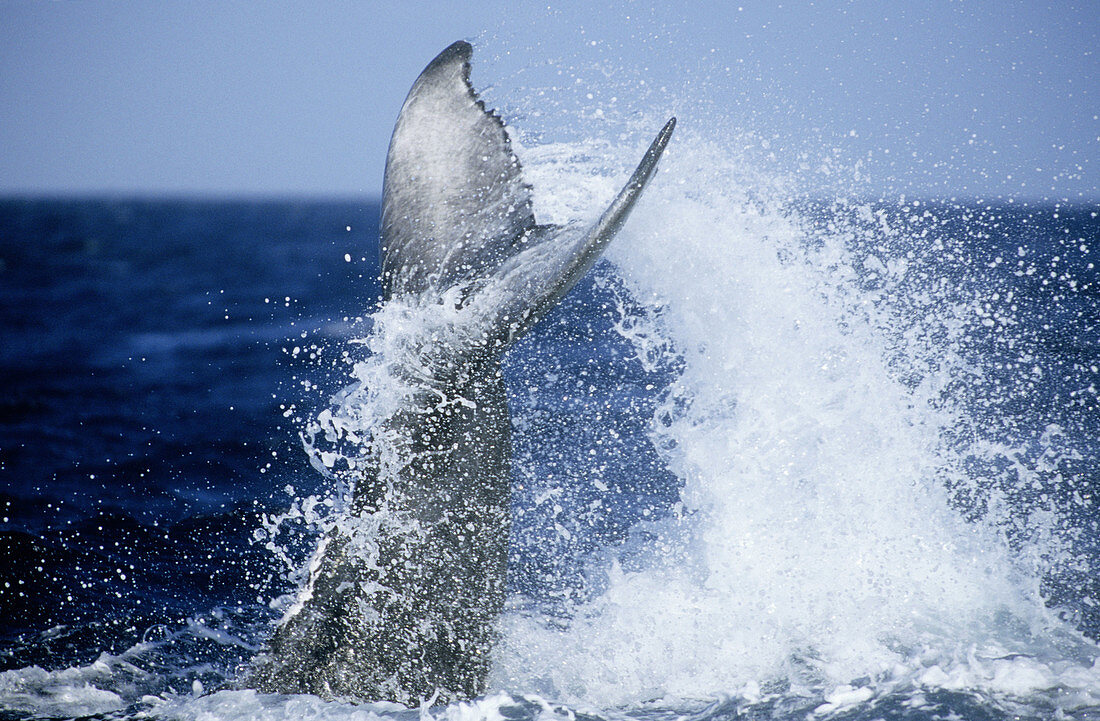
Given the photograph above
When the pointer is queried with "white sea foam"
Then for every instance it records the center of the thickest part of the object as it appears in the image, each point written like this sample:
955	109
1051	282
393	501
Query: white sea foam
247	704
70	692
818	541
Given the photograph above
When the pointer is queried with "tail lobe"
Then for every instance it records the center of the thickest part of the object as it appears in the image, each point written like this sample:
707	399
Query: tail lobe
457	212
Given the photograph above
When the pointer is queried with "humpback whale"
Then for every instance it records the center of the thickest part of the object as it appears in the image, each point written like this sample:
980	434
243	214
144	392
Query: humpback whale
403	595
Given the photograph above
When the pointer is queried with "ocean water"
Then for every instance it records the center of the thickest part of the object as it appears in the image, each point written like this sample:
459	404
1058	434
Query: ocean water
777	457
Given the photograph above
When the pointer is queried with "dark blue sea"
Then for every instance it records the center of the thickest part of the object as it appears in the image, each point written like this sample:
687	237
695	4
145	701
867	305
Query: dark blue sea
773	459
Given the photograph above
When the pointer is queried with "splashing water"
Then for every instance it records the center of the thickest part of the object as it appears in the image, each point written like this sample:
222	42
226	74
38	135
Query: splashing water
827	532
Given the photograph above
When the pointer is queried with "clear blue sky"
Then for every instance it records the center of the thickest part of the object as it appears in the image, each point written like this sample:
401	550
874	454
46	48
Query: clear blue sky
938	98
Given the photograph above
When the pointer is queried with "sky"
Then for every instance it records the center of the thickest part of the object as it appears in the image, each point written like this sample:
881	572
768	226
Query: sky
932	99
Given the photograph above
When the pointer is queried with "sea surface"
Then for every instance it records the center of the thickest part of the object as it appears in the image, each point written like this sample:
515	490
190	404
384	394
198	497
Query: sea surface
775	457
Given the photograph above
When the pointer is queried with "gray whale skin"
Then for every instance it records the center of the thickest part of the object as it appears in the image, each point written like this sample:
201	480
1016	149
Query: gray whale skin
405	608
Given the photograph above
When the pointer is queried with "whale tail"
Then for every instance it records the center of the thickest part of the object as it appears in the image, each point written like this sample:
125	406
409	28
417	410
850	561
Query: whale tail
456	210
403	601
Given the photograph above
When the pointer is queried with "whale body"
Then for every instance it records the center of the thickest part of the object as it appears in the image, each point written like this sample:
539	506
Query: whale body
403	596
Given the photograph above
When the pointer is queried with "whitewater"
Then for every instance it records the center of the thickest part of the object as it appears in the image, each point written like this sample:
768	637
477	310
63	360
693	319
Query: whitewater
826	539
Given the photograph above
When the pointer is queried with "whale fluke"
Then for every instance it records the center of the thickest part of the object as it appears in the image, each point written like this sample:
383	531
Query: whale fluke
454	204
405	591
